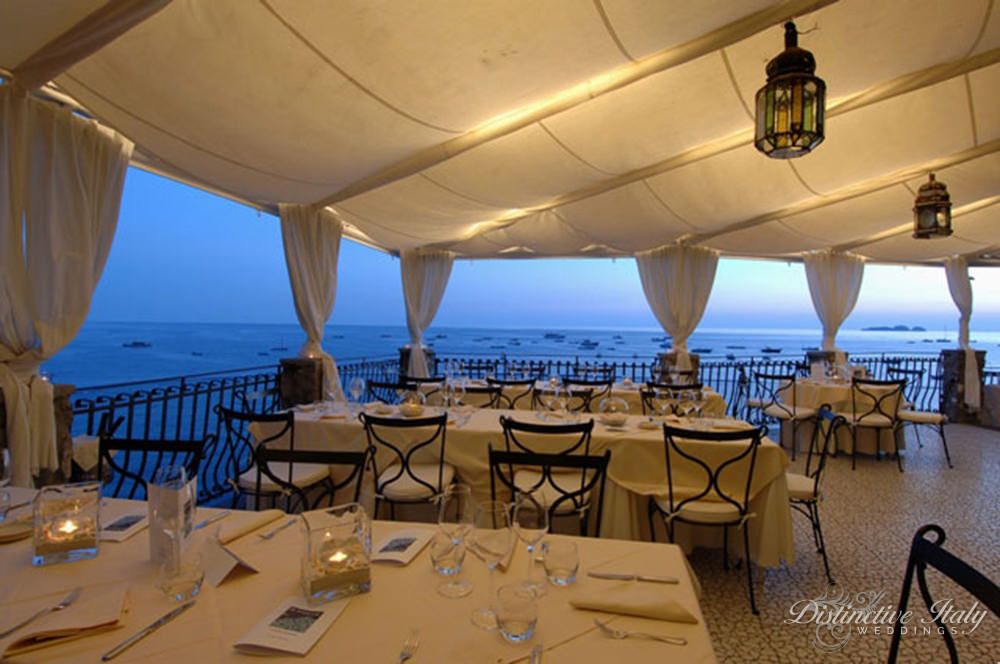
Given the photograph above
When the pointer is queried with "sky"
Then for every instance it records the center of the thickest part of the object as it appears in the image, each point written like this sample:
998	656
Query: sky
183	255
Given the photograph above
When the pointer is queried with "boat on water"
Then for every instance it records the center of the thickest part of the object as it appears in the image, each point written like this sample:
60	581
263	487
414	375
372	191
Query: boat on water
736	347
137	344
730	356
769	349
386	336
196	353
810	348
553	335
701	350
942	341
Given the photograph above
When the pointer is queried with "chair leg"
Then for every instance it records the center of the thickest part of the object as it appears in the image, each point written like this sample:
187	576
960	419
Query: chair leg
725	547
895	442
916	432
746	553
795	437
944	443
814	517
650	512
854	447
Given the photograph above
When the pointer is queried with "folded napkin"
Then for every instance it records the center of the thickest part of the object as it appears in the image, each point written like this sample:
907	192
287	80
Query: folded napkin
16	528
644	600
232	530
96	610
333	416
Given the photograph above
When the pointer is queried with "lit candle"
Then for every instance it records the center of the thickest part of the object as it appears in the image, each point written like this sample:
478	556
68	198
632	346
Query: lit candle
338	557
68	527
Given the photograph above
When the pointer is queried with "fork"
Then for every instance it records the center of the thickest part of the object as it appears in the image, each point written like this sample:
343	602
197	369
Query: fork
67	600
410	645
274	531
622	634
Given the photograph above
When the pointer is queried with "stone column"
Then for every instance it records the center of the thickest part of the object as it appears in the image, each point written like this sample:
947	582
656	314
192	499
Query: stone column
404	359
667	361
300	381
953	384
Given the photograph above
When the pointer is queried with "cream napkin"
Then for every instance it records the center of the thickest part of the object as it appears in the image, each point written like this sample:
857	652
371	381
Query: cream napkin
644	600
98	609
232	530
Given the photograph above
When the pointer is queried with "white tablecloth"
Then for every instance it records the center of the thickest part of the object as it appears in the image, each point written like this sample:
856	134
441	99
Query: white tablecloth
637	470
372	627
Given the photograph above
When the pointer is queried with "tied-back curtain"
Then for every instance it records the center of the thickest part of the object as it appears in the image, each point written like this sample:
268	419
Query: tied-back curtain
311	237
677	281
425	275
61	180
956	269
834	283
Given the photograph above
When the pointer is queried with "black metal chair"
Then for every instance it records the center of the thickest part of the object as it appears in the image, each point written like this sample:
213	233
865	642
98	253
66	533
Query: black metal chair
430	386
681	376
925	552
417	472
775	398
804	489
648	396
483	396
554	440
250	460
353	463
914	394
712	505
388	392
552	472
131	462
512	391
264	400
598	388
875	405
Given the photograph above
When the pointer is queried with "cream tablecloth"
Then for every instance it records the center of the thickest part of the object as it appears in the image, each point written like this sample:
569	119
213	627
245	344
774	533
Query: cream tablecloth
637	471
372	626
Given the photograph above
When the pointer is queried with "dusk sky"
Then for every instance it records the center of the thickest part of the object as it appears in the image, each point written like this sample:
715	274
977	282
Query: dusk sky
182	255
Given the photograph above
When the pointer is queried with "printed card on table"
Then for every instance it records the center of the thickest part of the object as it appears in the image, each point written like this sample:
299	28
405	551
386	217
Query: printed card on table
294	627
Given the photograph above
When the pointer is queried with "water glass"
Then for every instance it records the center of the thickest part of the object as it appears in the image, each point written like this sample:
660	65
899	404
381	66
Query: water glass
4	505
180	579
5	469
491	539
447	556
517	612
561	561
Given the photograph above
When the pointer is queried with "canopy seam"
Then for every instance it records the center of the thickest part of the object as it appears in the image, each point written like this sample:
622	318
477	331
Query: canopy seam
611	30
666	206
353	81
444	187
572	153
982	28
736	86
972	109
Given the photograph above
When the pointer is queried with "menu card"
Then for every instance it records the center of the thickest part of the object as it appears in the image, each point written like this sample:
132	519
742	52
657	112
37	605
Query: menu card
294	627
401	546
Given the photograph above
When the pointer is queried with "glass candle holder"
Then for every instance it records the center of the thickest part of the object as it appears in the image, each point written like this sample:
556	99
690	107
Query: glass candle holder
336	557
67	520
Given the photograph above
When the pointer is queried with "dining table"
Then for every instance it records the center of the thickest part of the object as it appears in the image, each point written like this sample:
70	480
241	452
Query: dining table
371	627
637	469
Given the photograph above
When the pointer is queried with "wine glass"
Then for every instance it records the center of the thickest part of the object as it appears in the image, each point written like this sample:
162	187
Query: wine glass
456	514
530	520
356	389
5	469
491	540
663	402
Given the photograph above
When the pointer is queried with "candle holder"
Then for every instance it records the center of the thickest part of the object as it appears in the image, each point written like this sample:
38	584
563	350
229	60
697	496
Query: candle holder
67	520
336	558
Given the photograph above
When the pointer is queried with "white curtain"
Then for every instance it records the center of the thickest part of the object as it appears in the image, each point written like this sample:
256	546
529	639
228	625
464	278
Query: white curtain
311	237
425	275
61	180
956	269
834	283
677	280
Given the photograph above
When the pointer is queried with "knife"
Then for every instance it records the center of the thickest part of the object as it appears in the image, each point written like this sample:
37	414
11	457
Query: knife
615	576
146	631
536	655
210	520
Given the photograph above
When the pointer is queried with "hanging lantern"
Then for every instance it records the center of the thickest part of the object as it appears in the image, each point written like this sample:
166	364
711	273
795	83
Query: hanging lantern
790	106
932	210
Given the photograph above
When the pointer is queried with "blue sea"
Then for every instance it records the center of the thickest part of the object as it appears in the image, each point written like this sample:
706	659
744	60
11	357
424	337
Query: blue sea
99	355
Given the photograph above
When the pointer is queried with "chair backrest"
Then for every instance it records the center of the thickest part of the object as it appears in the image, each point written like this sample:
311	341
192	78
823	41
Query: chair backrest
825	425
571	438
408	441
673	391
572	479
871	399
133	461
483	396
512	391
597	388
925	552
578	399
776	391
354	462
264	400
741	448
682	376
913	390
389	392
242	446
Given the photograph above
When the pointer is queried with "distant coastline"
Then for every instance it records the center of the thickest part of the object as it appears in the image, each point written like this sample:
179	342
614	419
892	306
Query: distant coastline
894	328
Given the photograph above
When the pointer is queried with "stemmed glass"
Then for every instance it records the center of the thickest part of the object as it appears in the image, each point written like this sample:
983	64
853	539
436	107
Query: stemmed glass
491	539
456	514
530	520
663	401
356	390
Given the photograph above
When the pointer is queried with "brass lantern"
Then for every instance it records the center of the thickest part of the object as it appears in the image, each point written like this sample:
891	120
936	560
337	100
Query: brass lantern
932	210
790	106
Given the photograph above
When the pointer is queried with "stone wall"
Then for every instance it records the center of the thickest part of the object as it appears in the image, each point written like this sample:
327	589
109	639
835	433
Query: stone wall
300	381
953	385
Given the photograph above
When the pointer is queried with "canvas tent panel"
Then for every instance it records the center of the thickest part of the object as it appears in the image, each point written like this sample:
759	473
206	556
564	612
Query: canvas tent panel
985	85
855	218
37	23
904	245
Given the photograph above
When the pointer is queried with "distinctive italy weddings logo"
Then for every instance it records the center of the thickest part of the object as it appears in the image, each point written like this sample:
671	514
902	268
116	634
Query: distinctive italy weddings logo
838	617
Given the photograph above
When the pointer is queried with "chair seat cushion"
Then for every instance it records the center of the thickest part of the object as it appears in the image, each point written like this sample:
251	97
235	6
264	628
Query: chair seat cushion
702	511
407	489
800	487
303	475
871	420
786	412
527	479
922	417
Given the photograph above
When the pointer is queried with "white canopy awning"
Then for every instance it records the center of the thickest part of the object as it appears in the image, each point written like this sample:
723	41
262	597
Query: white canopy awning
563	128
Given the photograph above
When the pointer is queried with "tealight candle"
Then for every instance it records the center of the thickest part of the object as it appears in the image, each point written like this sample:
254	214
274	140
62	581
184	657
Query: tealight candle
337	553
66	523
